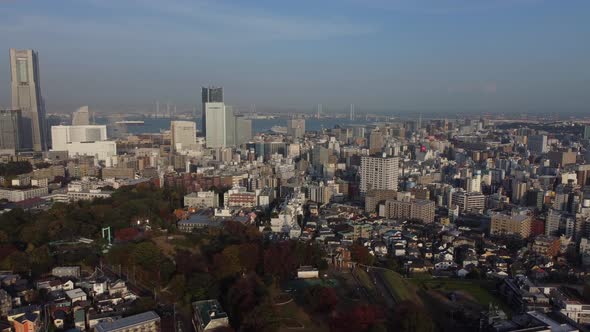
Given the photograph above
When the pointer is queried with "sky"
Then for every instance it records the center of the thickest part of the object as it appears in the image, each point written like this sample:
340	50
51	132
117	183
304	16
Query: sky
381	55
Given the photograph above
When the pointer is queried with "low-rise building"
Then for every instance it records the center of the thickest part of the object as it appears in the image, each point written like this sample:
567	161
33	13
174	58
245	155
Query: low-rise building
145	322
208	315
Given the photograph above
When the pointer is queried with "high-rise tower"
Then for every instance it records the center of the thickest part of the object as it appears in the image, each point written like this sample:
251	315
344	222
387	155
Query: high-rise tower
26	96
210	94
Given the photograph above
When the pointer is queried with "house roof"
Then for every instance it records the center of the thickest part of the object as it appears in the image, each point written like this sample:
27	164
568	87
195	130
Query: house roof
127	322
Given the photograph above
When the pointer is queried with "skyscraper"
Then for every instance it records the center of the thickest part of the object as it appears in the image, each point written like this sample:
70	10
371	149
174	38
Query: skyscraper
81	117
537	144
10	121
243	130
26	96
379	173
216	125
184	134
210	94
296	128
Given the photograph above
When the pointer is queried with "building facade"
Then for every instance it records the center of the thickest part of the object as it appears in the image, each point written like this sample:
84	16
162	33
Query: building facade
26	96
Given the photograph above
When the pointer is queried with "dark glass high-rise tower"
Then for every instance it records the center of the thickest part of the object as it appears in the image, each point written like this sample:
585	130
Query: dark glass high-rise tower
26	96
210	94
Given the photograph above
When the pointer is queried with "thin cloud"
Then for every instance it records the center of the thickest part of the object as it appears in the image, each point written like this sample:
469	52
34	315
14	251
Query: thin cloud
236	22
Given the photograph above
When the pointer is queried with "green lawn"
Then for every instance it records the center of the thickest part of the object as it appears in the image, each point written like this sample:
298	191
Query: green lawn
364	278
480	290
402	290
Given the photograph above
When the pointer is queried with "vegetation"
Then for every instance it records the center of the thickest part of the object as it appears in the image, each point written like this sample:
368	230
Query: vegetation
13	168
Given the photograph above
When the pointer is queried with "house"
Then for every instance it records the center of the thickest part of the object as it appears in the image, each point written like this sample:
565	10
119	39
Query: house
118	287
445	265
59	319
76	295
29	322
80	319
5	303
208	315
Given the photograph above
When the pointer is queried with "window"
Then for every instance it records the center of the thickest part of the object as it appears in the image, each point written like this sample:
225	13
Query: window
22	71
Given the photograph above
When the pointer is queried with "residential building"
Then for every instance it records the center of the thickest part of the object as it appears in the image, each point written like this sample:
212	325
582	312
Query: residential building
379	173
26	96
374	196
418	209
547	246
504	224
146	322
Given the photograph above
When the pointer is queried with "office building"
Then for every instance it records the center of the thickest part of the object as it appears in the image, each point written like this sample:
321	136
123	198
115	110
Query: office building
216	118
378	173
296	128
586	132
183	135
537	144
503	224
230	126
243	130
26	96
223	129
10	121
61	136
146	322
375	142
468	201
81	117
209	95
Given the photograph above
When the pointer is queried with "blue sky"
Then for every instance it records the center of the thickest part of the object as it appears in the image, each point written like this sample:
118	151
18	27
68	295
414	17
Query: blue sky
382	55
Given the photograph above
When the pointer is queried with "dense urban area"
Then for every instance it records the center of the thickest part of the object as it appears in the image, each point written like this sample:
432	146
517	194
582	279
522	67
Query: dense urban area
378	223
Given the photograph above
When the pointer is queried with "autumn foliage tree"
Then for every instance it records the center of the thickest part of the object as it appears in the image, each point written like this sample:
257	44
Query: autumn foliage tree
280	260
359	318
321	299
361	254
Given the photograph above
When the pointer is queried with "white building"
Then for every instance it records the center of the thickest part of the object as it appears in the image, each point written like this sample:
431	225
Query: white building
183	135
217	115
202	199
379	173
62	135
102	150
17	195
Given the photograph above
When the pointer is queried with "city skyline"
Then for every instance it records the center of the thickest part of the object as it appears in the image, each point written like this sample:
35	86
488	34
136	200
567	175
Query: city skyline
480	56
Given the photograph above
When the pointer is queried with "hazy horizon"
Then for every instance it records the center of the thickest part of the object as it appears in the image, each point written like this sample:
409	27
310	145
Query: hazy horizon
526	56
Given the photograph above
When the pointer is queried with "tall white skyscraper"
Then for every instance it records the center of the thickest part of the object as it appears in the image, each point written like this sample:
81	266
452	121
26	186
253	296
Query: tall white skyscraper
81	117
379	173
184	134
26	96
210	94
215	125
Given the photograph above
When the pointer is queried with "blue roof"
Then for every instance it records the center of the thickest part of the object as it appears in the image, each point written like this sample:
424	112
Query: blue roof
127	322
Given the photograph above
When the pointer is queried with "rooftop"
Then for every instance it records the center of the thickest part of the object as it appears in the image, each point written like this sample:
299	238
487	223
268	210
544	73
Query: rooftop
127	322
